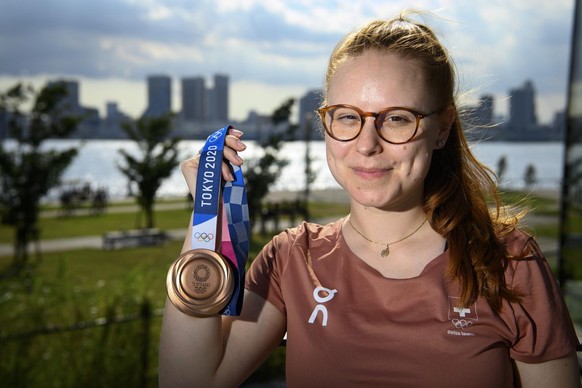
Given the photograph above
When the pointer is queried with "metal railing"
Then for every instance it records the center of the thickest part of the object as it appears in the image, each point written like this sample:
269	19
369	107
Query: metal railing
145	315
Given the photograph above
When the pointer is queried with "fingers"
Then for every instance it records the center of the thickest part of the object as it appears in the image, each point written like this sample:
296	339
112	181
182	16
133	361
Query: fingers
233	145
235	132
189	170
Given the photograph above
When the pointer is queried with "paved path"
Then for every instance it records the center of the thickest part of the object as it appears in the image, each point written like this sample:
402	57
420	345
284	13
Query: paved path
66	244
548	245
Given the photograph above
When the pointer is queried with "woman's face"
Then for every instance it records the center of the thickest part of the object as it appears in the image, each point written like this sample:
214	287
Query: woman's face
374	172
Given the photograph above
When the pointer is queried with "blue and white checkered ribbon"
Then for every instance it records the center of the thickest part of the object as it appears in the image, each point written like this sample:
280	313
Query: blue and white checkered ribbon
206	222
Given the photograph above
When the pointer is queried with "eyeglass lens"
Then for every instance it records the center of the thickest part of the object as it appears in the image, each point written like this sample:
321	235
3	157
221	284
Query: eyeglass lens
394	125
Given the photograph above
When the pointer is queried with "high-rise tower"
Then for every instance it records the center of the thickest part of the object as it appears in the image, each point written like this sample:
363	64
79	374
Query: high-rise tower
159	96
193	99
522	108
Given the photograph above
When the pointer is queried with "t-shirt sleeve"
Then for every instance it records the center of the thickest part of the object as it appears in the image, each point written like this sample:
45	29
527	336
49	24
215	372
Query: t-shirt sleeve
544	329
263	276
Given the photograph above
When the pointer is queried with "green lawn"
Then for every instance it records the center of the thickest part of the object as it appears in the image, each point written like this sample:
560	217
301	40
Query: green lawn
83	285
65	288
77	226
89	225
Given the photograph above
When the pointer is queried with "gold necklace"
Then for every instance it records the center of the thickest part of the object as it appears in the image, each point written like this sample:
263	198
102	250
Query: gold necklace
386	251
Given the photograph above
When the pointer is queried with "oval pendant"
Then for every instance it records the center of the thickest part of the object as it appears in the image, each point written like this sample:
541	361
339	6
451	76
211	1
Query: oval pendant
385	252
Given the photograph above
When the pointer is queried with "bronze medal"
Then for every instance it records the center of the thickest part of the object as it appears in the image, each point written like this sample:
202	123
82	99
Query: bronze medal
200	282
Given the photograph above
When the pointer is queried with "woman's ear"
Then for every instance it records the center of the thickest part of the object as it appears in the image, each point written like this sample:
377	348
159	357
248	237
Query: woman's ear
448	117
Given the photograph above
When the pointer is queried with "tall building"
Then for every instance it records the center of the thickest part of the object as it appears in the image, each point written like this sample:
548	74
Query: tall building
522	108
159	96
111	125
193	99
71	101
90	120
3	124
218	99
478	120
486	105
307	119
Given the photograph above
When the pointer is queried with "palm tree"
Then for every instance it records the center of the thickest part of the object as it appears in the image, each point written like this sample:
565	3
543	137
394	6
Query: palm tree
158	158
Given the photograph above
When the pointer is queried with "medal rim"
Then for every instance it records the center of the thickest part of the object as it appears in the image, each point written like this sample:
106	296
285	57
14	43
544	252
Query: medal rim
209	305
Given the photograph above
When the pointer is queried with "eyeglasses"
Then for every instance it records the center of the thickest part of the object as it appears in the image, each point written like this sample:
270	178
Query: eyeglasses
395	125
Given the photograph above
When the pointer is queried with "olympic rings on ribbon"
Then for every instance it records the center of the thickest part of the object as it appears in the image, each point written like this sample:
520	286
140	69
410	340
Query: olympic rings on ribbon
214	137
206	237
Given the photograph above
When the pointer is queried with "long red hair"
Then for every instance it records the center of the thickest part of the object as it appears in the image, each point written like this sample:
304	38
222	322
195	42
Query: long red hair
461	198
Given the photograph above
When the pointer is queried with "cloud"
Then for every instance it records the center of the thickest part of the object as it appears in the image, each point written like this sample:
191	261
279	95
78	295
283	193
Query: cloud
496	44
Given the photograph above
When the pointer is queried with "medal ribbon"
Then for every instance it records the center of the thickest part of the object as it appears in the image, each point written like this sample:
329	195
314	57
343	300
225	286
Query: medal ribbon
234	222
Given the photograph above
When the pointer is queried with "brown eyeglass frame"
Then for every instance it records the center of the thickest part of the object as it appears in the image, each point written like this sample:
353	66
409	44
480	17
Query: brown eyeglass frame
419	116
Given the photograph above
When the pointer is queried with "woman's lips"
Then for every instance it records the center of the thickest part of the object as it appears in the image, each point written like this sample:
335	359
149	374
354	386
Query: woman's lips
373	172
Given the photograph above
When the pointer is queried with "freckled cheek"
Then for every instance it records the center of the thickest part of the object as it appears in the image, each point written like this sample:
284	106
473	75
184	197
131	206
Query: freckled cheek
335	153
421	165
330	157
335	157
414	161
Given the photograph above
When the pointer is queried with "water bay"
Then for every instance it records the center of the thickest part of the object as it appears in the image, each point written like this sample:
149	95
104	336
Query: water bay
97	164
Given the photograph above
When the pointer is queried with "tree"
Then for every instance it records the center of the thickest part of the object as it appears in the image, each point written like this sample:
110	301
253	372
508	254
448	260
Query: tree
530	176
159	157
501	168
260	174
27	171
310	175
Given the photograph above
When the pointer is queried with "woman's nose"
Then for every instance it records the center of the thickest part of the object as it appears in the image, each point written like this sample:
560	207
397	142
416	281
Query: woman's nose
368	141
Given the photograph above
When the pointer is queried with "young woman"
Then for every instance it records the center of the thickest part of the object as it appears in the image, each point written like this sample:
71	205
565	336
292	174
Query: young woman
421	284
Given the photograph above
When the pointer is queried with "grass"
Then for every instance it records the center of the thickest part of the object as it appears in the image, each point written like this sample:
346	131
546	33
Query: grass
82	285
91	225
539	204
78	226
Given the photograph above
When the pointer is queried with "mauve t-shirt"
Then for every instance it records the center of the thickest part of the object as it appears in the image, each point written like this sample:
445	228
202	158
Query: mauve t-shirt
348	326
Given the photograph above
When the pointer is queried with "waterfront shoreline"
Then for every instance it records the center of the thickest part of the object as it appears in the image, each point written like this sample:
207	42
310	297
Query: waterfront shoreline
320	196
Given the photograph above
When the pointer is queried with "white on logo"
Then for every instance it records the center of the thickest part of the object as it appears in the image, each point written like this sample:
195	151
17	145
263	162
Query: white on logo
214	137
461	323
462	311
320	307
462	317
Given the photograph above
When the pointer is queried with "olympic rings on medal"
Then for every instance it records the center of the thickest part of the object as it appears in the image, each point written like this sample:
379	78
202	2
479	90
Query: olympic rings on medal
461	323
203	237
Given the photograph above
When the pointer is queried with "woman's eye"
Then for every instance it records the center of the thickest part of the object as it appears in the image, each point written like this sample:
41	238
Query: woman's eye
347	117
396	120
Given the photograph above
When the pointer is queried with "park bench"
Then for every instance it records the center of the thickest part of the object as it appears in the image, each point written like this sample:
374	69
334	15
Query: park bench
133	238
272	214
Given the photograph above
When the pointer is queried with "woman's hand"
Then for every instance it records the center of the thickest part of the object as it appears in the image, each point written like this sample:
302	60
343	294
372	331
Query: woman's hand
232	146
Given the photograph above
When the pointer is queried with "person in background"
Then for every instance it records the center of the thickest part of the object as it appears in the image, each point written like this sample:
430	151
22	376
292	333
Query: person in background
423	283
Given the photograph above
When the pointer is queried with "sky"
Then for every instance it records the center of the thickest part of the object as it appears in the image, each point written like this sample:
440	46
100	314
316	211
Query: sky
271	50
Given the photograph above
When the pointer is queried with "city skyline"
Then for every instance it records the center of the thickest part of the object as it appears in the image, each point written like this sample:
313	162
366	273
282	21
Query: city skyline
204	108
271	50
200	102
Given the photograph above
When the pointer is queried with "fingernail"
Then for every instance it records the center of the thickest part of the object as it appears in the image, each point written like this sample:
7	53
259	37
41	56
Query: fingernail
236	132
241	144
